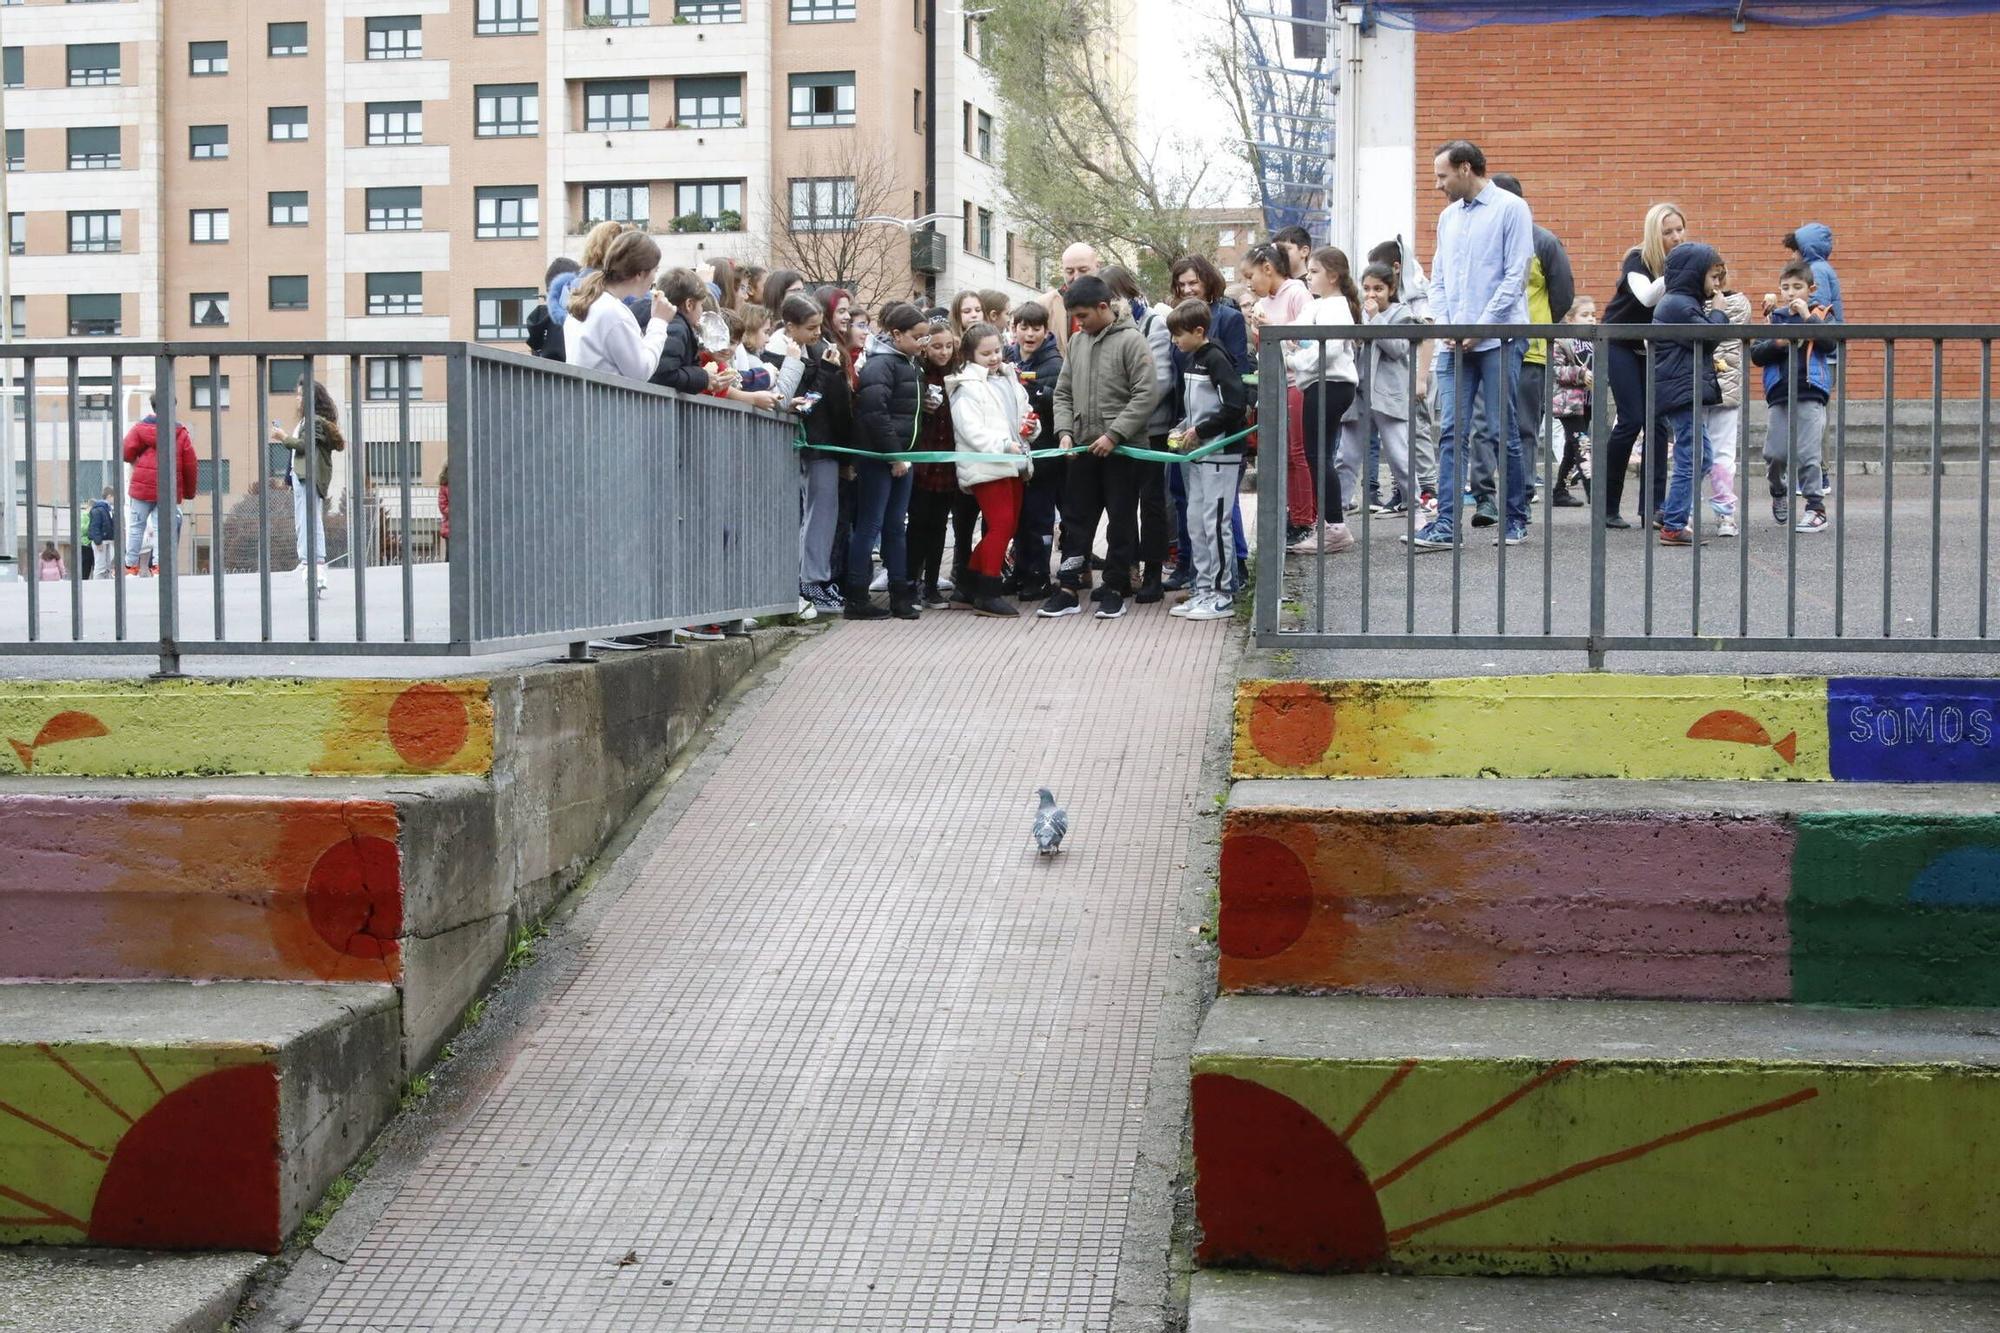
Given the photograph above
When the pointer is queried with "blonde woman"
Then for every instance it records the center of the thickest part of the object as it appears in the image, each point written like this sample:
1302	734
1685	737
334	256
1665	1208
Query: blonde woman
1641	282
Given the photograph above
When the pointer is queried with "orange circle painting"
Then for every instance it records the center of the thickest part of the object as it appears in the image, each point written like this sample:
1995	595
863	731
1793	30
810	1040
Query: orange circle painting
428	725
1291	723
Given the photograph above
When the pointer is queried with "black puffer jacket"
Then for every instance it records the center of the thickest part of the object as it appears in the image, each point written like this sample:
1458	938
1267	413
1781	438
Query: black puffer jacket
680	364
832	421
890	401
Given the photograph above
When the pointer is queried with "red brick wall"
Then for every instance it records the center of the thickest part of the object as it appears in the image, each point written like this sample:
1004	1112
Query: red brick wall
1602	118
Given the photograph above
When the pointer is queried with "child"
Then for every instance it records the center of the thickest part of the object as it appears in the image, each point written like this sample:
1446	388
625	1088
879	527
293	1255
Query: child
1571	359
1214	403
888	411
817	373
1414	291
935	497
545	330
1724	422
991	423
1039	363
681	365
724	365
1325	373
1681	367
52	568
1385	376
748	360
141	452
1798	380
1283	299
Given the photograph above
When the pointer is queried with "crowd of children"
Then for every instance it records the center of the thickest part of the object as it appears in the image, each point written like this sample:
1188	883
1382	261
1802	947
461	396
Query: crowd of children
1095	372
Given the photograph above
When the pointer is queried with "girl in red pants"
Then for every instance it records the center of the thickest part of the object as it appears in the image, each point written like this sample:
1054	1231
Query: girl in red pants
992	422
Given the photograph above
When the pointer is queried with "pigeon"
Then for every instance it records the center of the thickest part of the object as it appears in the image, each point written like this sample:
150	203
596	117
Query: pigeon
1051	822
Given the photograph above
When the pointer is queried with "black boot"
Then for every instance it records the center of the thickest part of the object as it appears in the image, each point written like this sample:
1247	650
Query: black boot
1150	589
903	603
966	588
987	597
858	604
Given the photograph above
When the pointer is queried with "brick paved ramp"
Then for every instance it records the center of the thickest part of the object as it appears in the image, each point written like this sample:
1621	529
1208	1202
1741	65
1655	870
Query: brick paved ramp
846	1053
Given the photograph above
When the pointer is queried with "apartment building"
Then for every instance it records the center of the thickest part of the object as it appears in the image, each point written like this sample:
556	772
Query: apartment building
403	170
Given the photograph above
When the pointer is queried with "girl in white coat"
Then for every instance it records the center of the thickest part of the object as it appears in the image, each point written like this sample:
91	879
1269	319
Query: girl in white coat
992	422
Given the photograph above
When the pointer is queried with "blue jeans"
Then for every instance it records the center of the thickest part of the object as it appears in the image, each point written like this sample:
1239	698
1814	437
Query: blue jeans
1683	481
881	509
136	514
1491	378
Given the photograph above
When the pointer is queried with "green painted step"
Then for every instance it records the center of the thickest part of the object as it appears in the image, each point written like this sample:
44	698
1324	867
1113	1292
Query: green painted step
1567	1136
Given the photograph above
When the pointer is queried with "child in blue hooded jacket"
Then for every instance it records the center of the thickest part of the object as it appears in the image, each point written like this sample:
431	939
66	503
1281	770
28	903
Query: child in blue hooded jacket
1681	366
1813	243
1798	381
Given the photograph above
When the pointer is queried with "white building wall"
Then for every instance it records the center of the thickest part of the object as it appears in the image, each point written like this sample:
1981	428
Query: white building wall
962	177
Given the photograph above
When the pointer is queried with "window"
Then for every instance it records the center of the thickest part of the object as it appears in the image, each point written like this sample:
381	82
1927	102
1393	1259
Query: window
974	38
982	233
17	74
287	39
503	311
96	233
1225	237
284	375
290	292
385	378
96	316
207	394
208	58
93	65
94	148
617	13
709	104
507	212
391	461
208	309
502	18
208	226
288	124
204	476
917	110
981	146
17	150
395	293
395	122
822	11
289	208
400	37
208	142
708	206
823	203
17	311
616	104
822	99
1008	258
17	233
508	110
708	11
618	203
396	208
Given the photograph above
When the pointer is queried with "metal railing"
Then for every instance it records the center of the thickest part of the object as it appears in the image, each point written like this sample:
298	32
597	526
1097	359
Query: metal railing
582	506
1891	572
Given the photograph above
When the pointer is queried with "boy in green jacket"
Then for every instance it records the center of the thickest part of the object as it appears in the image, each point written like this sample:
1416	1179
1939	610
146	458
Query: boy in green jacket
1103	400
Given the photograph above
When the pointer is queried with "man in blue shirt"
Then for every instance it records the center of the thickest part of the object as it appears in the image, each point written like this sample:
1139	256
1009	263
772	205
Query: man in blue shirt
1479	275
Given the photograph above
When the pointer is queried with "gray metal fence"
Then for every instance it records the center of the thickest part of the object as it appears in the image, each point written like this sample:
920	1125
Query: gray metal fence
1902	564
582	506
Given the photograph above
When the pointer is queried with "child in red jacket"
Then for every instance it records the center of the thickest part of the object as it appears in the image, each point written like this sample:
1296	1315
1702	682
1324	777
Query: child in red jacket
142	452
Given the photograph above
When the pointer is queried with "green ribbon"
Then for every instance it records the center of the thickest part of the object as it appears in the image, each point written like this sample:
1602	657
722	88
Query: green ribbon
939	456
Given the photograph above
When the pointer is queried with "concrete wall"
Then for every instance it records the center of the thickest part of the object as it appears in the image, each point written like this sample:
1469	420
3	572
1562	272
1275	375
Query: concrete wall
1783	727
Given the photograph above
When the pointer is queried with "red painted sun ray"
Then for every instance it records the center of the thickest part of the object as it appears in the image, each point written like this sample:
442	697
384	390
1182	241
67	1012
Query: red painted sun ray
48	1216
88	1086
1403	1168
1393	1082
47	1128
141	1061
1608	1159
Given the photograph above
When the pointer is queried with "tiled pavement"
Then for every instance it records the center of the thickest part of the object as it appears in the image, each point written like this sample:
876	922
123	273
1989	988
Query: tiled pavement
846	1054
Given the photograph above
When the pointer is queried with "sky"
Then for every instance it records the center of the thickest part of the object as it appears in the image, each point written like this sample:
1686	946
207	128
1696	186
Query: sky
1169	31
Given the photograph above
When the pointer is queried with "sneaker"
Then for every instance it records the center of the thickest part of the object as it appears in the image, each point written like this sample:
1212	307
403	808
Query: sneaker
1486	514
1781	511
933	597
1726	526
1394	506
946	585
1431	537
807	611
1813	520
1565	498
702	633
1338	538
1297	533
1111	604
1680	537
1213	608
131	571
1302	540
1428	502
1179	580
880	583
1515	534
1187	607
1097	593
1062	602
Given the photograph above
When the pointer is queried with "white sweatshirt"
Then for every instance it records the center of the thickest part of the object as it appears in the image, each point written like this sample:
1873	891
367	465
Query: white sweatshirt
1303	359
609	340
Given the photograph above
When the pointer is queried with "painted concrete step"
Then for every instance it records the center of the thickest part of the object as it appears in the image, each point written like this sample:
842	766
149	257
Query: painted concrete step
1600	725
407	882
1238	1302
1470	1137
1884	894
167	1115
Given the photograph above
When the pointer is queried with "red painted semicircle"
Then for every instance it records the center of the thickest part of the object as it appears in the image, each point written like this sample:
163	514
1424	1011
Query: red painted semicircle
428	725
1266	897
354	897
199	1171
1276	1188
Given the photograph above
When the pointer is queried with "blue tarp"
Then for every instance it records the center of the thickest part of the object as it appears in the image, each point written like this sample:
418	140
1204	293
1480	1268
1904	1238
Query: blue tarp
1458	15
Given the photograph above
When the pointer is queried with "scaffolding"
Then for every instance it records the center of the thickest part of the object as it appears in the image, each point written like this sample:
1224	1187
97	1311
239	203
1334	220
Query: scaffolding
1293	87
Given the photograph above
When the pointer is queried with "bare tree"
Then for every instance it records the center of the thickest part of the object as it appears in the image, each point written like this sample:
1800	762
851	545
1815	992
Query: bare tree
813	217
